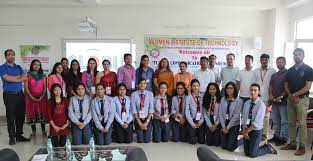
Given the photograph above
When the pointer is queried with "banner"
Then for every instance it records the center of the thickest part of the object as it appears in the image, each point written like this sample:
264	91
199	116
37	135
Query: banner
31	52
177	49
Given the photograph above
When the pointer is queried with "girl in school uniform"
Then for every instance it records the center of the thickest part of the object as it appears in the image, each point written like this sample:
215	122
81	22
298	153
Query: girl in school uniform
194	114
57	111
80	116
211	100
123	116
229	117
179	125
252	123
142	105
103	111
162	113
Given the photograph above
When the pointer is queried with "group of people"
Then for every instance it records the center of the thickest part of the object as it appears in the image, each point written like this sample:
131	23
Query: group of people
159	105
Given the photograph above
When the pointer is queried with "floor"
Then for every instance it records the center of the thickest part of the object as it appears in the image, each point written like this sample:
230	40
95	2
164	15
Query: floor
155	152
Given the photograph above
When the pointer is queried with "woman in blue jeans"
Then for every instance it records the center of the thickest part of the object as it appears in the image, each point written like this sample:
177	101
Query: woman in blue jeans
80	116
103	111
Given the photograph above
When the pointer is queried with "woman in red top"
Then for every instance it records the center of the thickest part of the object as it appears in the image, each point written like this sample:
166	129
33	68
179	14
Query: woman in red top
58	116
108	79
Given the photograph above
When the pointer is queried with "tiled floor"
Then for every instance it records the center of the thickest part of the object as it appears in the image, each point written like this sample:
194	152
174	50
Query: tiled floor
155	152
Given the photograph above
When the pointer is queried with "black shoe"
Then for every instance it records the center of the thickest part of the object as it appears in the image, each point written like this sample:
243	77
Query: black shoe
274	139
12	141
272	149
281	142
22	139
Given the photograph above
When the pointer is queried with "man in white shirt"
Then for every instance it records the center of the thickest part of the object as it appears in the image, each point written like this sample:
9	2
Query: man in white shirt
244	79
204	75
214	68
262	76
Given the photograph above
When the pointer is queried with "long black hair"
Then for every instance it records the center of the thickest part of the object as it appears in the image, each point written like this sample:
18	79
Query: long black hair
52	95
78	70
32	64
95	71
180	84
235	90
54	69
207	96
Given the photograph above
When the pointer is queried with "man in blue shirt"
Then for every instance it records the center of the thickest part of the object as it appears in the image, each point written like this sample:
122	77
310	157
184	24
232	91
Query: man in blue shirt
12	77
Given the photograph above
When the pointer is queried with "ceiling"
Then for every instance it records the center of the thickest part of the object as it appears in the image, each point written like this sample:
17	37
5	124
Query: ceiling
246	4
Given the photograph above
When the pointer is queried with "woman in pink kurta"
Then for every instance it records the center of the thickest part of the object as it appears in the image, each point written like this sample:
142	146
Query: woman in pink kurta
36	99
56	77
89	77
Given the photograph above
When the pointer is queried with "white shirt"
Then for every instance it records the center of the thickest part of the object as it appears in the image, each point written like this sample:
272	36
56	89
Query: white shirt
245	78
217	73
263	78
205	77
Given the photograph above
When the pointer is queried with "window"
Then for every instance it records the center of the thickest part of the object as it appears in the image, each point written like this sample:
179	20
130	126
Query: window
304	39
113	50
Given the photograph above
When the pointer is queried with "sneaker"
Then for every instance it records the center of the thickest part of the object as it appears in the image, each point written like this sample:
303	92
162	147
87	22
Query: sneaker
281	142
300	151
22	139
12	141
289	147
272	149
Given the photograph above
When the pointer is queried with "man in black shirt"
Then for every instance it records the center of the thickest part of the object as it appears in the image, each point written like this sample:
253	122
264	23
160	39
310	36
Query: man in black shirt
297	85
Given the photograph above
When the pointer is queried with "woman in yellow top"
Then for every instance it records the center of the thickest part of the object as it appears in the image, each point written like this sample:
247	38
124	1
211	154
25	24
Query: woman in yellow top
163	74
183	76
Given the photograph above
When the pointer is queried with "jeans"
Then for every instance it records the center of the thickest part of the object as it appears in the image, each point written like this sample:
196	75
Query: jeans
81	136
251	147
280	120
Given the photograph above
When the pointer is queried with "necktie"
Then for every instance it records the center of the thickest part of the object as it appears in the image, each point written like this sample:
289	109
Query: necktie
212	109
228	112
142	101
181	105
198	103
123	105
162	106
250	112
81	109
102	108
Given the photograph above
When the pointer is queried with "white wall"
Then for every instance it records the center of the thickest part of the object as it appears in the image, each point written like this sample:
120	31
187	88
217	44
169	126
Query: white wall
51	25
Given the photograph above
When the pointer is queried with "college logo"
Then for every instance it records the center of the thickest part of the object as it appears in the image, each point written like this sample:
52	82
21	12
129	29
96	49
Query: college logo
154	53
35	50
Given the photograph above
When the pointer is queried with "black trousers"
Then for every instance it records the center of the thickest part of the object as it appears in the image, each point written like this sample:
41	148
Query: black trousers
15	112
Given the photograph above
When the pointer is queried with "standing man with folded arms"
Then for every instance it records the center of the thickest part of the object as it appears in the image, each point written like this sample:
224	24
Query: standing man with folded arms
14	99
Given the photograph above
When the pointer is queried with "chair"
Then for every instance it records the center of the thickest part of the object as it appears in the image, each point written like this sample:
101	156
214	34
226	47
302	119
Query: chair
309	123
8	155
205	154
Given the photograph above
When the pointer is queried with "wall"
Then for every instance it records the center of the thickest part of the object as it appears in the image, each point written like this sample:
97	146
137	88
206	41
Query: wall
52	25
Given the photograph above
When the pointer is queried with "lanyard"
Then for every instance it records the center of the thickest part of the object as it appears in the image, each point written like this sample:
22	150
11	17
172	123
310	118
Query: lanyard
197	101
262	75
